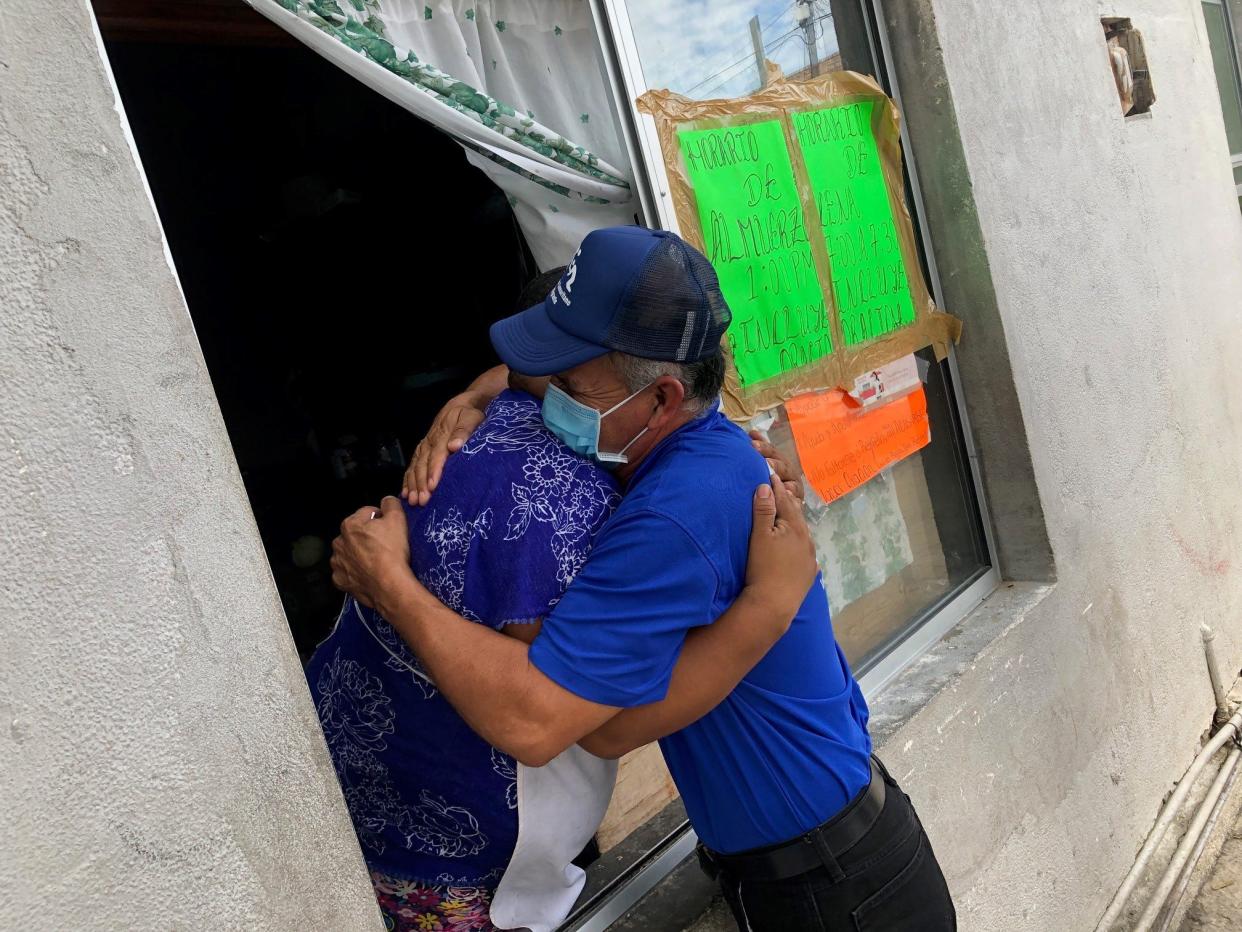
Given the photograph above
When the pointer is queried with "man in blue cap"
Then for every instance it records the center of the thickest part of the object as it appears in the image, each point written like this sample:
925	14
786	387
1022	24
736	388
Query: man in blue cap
802	825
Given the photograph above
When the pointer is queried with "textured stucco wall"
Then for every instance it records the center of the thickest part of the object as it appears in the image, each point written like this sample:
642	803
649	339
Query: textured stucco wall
1115	253
160	762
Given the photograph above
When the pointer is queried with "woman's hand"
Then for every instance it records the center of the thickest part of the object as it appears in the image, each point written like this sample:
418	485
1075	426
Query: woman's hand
781	566
778	464
451	429
372	551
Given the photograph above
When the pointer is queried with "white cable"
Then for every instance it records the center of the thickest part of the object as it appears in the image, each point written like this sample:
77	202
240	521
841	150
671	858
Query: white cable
1187	871
380	641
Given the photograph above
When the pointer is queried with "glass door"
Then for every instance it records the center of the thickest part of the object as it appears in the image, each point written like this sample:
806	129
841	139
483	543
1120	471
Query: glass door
904	556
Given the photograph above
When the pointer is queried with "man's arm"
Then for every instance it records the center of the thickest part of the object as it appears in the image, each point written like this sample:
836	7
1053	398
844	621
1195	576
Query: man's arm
488	677
715	658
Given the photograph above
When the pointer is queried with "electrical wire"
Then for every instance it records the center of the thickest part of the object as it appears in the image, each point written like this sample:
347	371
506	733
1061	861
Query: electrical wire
772	22
745	59
750	55
776	43
767	47
786	41
770	46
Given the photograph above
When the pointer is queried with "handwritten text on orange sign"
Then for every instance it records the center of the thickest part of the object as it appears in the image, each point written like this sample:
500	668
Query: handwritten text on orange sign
842	446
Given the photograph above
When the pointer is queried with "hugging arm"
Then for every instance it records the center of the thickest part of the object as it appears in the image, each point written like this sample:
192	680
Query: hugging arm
715	658
463	413
490	678
487	677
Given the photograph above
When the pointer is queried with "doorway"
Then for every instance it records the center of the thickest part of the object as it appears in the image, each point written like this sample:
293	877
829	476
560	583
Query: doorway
341	260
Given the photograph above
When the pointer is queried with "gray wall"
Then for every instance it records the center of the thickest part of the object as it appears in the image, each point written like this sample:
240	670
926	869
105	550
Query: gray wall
160	761
1098	263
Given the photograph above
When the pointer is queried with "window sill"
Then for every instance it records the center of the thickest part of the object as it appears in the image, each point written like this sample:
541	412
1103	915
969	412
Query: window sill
685	892
954	655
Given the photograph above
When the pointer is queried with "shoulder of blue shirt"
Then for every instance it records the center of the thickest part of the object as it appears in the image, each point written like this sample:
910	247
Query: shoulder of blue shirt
710	460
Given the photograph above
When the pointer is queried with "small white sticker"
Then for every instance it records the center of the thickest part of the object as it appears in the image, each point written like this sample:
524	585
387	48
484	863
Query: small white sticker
886	381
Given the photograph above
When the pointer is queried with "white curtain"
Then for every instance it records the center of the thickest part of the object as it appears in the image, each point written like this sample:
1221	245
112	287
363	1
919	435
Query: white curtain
519	83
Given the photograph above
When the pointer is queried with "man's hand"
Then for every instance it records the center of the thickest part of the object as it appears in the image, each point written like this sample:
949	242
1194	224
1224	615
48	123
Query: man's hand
781	565
777	463
373	549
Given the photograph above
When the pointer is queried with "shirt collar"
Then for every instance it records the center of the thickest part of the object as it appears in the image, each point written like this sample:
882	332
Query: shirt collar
701	423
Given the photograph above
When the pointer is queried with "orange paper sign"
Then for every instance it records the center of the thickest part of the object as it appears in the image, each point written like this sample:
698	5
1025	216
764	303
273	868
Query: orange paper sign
843	446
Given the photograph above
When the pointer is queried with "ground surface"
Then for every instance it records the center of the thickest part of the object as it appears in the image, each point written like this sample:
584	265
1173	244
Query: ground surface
716	919
1219	904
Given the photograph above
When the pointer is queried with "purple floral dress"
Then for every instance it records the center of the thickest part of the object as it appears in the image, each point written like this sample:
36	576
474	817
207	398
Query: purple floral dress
434	805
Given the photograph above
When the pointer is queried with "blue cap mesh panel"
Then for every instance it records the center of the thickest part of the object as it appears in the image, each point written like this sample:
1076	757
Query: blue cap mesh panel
674	310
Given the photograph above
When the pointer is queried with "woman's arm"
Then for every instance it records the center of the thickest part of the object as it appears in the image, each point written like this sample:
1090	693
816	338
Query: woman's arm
714	659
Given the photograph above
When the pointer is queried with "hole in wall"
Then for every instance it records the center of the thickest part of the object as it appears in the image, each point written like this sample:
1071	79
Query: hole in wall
1128	60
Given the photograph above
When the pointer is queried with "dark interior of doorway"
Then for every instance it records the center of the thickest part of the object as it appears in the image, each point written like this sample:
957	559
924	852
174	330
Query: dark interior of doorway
340	258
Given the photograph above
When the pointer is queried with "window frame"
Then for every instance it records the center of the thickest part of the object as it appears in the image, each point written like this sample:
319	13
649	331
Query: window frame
623	69
1235	59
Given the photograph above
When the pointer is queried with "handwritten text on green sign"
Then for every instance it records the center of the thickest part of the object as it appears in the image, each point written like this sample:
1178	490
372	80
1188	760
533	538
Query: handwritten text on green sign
868	271
755	236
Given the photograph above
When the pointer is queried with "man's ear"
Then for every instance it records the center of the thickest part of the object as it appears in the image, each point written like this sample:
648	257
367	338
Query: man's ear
670	395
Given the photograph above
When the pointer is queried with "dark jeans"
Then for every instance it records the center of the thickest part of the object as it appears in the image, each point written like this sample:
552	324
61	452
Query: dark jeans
889	881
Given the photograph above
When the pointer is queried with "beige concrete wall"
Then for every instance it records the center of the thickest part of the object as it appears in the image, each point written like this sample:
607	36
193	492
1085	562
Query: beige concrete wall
1113	251
160	761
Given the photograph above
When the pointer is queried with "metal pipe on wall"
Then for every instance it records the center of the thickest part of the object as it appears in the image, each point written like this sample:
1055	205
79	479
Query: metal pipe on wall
1229	731
1184	881
1196	833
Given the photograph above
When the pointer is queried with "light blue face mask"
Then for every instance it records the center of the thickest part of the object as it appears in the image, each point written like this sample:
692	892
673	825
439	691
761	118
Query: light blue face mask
577	425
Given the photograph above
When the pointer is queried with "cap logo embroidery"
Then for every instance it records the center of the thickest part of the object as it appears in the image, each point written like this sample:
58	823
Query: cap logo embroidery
566	284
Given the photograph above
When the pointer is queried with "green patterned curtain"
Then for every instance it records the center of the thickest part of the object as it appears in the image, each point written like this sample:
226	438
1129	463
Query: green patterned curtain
516	83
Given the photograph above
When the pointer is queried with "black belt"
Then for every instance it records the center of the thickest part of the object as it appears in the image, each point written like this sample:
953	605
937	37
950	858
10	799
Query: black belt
806	852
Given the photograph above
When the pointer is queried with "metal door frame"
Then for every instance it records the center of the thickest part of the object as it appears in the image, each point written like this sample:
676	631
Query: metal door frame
623	69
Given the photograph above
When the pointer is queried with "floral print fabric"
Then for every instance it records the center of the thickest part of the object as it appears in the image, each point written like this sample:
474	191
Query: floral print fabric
409	906
504	535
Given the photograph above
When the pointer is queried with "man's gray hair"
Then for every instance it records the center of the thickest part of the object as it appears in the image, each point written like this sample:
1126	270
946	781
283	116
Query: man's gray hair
702	380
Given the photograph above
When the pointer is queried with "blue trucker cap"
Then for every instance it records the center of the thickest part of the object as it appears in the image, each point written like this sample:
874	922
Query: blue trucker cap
644	292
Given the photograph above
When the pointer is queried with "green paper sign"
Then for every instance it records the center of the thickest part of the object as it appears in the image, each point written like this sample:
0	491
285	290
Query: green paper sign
868	271
755	236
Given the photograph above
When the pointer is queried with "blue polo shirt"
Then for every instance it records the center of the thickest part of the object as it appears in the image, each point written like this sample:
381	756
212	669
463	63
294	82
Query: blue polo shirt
788	748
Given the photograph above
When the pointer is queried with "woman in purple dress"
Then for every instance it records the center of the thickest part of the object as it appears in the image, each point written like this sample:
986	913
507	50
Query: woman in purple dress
434	805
